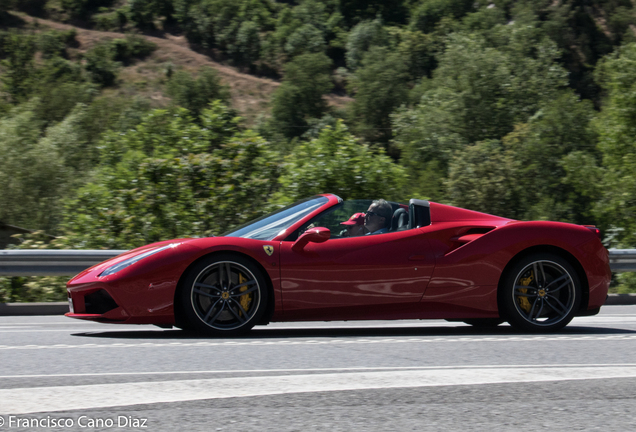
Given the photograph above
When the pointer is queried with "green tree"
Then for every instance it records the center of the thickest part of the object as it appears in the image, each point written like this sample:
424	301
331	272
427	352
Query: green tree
142	13
101	65
32	174
380	86
339	163
555	137
60	85
306	39
417	50
479	92
132	47
247	47
485	177
536	171
196	94
300	96
19	69
616	126
82	9
427	13
172	177
355	11
361	38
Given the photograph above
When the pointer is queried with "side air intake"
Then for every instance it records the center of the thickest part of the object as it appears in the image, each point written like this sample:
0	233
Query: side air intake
99	302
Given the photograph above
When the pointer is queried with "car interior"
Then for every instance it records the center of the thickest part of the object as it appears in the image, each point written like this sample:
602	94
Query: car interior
414	215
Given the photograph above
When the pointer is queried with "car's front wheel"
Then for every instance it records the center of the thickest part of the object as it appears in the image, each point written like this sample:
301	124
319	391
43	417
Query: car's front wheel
541	292
223	295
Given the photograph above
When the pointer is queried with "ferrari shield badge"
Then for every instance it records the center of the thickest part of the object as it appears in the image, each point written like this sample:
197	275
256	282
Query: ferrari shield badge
269	250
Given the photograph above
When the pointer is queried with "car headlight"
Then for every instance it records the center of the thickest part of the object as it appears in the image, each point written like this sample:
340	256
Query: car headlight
130	261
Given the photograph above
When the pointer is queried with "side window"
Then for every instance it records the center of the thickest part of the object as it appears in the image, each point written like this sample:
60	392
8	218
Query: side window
352	213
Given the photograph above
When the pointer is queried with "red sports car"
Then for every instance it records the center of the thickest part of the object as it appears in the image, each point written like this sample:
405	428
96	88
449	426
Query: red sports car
304	263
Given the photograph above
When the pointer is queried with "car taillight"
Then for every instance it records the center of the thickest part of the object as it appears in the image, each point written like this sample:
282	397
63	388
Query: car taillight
594	229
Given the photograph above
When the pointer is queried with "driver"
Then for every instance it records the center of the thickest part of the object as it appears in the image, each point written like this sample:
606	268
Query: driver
378	217
355	225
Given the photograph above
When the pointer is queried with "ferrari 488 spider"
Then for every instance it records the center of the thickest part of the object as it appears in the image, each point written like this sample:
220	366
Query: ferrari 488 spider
302	263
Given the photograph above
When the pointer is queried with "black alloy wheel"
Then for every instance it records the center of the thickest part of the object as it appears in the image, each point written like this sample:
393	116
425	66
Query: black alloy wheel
540	293
224	295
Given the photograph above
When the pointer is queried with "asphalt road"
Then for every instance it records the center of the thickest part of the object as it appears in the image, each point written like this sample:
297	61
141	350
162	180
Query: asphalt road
61	374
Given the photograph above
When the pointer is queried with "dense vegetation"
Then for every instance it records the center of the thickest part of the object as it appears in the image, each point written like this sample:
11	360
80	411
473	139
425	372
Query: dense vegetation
523	108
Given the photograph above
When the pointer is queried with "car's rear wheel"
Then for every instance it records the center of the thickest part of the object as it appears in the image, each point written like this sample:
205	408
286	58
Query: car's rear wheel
541	293
223	295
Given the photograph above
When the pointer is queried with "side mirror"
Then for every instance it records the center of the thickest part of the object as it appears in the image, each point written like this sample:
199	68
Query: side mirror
312	235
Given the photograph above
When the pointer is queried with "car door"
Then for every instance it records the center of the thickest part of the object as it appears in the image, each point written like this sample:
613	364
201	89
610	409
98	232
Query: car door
380	276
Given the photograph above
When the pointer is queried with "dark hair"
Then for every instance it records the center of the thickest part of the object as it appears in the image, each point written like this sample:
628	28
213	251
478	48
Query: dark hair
384	209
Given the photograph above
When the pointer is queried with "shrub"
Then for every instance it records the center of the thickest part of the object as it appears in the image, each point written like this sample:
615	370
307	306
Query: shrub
52	44
196	94
300	97
101	66
133	47
339	163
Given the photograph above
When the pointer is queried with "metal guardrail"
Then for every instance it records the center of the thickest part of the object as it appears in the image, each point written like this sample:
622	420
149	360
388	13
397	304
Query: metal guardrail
39	262
623	260
42	262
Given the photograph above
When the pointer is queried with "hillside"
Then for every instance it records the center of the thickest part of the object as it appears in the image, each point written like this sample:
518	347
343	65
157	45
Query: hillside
250	94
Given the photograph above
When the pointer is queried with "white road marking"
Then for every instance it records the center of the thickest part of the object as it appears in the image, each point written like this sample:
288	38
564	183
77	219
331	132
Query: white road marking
331	341
296	370
607	319
82	397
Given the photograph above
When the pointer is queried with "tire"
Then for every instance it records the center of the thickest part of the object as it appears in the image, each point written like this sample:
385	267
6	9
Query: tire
544	303
484	322
223	295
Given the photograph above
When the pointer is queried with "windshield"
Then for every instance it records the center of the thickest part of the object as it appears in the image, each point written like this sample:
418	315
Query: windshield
269	226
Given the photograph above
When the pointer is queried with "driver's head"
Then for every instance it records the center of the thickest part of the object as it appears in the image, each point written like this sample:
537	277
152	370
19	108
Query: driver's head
378	216
354	225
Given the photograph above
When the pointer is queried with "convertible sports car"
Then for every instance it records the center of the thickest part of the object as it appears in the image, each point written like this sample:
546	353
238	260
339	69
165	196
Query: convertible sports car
301	264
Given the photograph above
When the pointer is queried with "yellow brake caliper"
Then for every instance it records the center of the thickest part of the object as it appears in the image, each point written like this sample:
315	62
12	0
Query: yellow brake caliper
245	299
524	303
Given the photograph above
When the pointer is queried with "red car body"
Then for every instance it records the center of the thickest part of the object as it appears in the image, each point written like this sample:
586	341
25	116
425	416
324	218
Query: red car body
450	269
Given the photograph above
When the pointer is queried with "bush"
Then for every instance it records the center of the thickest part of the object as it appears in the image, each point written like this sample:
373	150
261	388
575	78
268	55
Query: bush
300	97
111	20
82	9
171	177
339	163
33	177
101	66
133	47
484	177
361	38
247	48
306	39
142	13
52	44
18	74
428	13
380	86
196	94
